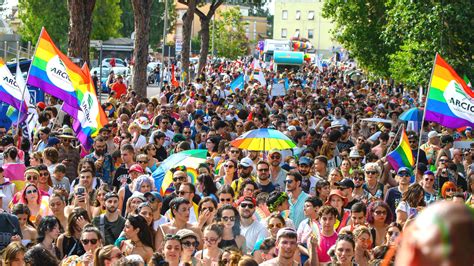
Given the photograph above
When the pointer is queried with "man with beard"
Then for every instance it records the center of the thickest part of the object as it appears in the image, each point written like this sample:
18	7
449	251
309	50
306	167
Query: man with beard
263	177
110	223
287	244
127	153
309	182
277	174
297	196
245	171
103	161
252	230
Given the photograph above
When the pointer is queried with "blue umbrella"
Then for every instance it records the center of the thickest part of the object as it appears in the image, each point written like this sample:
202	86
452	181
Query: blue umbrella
412	114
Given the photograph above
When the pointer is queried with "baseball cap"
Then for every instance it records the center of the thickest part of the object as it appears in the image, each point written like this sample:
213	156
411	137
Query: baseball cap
291	128
346	183
403	169
272	151
136	168
138	195
184	233
433	134
41	105
110	195
468	128
354	154
53	141
244	198
246	162
305	160
154	194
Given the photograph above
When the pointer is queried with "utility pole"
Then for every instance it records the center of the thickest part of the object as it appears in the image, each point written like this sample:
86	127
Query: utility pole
164	42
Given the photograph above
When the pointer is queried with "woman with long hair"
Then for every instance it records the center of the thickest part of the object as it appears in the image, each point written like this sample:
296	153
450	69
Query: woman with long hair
322	190
207	208
99	203
363	241
57	204
230	172
212	236
14	254
412	201
150	151
48	232
206	186
229	217
13	167
133	202
393	232
69	242
38	205
139	238
379	217
448	190
172	250
27	228
36	158
107	255
346	168
91	240
143	184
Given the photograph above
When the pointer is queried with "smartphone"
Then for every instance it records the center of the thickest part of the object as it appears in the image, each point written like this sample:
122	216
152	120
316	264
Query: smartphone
81	190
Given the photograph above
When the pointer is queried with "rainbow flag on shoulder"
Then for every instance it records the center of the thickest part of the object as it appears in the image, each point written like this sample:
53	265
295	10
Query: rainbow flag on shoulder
53	72
402	156
450	101
11	93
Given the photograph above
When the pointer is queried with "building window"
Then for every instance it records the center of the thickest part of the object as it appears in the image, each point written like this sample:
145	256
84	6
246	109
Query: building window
310	34
283	33
298	15
310	15
297	33
284	14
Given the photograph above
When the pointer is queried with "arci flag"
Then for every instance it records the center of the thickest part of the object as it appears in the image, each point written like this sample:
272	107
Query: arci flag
450	101
402	156
90	118
10	92
53	72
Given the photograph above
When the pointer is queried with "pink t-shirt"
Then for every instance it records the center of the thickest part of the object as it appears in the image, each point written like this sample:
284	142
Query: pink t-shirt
325	243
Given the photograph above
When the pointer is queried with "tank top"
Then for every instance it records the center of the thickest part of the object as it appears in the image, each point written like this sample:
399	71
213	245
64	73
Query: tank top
227	243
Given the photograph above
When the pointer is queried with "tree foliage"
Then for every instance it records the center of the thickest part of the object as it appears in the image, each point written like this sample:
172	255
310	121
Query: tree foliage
399	38
106	20
52	14
231	41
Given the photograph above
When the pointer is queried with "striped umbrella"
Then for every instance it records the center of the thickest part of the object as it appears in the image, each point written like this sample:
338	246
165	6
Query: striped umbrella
263	139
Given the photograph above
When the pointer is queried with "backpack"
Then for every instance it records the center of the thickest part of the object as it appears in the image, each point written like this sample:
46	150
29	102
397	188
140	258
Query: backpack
10	227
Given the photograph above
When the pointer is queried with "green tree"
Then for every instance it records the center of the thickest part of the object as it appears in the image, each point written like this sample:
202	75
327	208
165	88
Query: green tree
52	14
358	27
419	29
106	20
230	28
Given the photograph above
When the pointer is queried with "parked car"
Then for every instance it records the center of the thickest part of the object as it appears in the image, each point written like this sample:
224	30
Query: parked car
150	71
118	62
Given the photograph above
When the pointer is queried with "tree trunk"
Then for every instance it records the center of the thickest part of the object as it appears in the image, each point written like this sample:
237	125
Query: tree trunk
141	14
187	26
80	27
205	38
205	21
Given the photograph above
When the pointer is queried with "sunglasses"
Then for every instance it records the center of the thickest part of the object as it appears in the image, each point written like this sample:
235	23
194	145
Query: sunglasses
443	160
359	178
142	161
271	226
190	244
263	170
91	241
391	233
228	166
225	200
247	205
31	177
187	132
151	199
28	192
289	181
234	151
380	212
182	193
44	174
179	178
404	174
429	179
210	240
228	218
451	190
275	157
371	172
211	209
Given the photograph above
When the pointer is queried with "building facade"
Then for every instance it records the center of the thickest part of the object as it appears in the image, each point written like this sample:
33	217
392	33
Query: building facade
303	19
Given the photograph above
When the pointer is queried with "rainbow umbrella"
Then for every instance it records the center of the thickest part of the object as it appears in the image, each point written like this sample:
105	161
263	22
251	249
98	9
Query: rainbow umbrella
263	139
187	161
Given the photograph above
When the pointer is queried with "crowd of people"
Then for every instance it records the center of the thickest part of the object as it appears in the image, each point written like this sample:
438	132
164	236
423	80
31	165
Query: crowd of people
333	199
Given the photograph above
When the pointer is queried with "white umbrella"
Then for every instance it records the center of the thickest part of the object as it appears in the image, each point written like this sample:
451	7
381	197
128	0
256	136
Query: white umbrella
376	120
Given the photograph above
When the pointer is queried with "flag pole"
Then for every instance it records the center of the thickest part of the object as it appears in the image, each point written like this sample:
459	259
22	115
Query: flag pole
424	114
26	81
394	138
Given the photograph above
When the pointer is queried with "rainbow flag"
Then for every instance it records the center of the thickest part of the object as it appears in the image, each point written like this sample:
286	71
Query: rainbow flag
90	118
402	156
53	72
450	101
11	93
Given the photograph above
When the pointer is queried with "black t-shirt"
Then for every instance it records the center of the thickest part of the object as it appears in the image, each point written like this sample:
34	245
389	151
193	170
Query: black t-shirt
122	172
393	197
161	154
112	230
352	202
345	145
266	188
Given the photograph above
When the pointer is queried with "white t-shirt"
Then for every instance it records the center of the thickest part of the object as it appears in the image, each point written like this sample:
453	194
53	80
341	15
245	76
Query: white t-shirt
252	234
